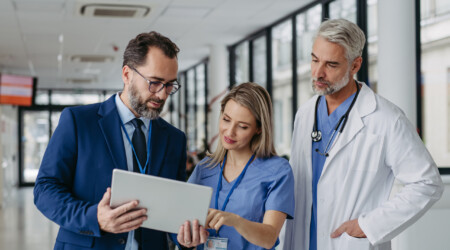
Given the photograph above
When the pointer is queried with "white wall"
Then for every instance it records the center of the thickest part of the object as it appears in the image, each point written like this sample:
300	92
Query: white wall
432	231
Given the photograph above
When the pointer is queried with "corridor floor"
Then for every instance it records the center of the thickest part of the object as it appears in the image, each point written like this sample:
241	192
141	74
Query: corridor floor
22	226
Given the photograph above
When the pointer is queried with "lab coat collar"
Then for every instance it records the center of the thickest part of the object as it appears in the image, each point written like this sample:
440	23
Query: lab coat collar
365	104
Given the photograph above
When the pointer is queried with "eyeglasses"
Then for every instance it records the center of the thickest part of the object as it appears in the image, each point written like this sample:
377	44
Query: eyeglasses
156	86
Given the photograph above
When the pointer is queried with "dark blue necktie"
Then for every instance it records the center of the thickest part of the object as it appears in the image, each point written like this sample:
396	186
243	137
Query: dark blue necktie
139	145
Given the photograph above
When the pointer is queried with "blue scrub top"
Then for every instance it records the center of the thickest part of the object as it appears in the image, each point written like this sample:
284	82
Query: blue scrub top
326	125
268	184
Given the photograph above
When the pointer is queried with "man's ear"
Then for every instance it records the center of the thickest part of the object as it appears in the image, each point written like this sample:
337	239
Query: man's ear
126	74
356	65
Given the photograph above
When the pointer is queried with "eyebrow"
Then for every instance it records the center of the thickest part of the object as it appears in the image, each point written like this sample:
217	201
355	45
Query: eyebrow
246	123
329	62
160	79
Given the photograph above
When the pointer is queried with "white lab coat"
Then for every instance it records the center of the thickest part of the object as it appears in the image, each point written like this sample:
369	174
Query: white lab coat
377	146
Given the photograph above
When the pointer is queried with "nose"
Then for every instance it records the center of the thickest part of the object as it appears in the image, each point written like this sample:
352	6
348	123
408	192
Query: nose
162	94
231	130
318	70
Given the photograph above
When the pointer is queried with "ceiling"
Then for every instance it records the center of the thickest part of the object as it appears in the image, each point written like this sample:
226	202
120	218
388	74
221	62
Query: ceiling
43	38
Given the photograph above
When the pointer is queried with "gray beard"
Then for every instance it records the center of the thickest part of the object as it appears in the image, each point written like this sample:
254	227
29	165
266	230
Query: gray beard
332	88
140	106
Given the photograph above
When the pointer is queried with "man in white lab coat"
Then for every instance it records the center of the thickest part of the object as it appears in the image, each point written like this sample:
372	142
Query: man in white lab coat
349	144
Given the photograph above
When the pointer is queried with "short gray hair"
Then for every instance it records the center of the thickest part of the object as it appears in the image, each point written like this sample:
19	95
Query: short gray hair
344	33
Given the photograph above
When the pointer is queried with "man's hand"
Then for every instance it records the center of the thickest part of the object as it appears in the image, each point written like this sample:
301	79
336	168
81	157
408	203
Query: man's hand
216	219
351	227
199	234
121	219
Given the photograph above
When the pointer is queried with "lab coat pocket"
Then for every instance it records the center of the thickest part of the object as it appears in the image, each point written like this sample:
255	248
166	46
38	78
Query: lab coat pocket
348	242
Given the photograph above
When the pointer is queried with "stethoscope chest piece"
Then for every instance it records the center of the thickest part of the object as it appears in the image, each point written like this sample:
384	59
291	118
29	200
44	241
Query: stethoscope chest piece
316	135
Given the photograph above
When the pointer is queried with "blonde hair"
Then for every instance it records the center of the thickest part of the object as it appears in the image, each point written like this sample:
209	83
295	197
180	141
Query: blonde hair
256	99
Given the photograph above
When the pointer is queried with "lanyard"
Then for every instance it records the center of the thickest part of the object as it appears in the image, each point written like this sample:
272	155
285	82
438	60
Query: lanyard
143	170
238	180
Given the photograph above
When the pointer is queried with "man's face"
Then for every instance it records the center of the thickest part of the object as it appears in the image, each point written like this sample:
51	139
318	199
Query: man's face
158	67
330	69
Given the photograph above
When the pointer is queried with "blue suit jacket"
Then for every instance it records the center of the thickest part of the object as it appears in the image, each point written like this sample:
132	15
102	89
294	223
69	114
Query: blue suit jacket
77	169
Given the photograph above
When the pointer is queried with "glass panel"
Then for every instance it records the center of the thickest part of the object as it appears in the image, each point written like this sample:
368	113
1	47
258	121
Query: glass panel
175	100
307	24
343	9
442	7
181	98
201	104
34	142
425	8
282	85
372	40
190	112
41	97
242	63
71	98
55	119
435	93
260	61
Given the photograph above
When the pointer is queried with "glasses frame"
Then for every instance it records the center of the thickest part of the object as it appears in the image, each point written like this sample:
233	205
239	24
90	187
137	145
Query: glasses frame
176	85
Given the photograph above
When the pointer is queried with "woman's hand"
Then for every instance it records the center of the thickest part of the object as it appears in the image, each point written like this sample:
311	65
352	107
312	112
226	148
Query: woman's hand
217	219
199	234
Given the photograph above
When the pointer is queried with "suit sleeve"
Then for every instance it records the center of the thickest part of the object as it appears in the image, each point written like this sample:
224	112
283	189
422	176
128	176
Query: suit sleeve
413	166
54	183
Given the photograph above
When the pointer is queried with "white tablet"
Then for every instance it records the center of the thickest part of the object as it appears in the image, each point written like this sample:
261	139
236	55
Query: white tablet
169	203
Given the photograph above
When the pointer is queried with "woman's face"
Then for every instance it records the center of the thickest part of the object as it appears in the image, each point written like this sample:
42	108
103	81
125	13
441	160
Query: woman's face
237	127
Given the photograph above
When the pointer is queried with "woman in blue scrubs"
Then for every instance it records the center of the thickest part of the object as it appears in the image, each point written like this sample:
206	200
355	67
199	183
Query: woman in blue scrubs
253	187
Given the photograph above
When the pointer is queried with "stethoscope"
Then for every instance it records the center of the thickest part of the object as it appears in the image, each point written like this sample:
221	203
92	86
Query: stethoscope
316	135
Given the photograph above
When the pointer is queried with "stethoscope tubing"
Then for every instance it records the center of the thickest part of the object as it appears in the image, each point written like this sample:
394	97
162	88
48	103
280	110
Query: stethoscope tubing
316	134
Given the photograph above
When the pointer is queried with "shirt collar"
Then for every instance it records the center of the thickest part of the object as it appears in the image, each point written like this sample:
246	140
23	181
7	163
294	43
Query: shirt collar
332	119
125	113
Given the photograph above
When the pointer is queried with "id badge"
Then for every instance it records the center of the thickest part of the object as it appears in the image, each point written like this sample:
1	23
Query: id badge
216	243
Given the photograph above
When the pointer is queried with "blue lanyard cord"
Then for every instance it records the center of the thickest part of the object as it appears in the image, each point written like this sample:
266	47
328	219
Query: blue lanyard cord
143	170
238	180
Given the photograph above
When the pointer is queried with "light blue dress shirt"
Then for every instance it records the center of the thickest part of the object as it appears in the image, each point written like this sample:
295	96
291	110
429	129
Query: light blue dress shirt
326	125
126	116
268	184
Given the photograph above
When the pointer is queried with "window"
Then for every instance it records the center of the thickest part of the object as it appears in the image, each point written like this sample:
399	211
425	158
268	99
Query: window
282	85
343	9
190	112
42	97
260	61
182	97
242	63
61	97
435	85
201	105
307	25
372	42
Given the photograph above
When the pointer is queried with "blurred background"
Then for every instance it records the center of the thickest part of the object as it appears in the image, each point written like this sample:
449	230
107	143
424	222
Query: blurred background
61	53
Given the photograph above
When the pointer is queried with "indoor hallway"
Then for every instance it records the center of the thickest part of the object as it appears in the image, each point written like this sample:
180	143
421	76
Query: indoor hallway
22	226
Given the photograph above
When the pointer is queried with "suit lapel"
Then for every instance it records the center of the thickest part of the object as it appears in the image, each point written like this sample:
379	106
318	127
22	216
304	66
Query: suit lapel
159	141
110	126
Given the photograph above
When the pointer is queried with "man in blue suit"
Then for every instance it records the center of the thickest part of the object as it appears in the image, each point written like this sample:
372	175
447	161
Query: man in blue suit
90	141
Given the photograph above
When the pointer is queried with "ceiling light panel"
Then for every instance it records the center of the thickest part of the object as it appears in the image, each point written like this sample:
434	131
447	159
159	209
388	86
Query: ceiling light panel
186	12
